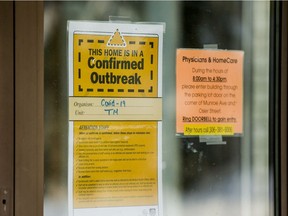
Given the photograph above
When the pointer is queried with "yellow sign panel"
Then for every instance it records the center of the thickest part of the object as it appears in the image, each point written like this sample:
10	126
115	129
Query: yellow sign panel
115	164
115	114
207	129
117	65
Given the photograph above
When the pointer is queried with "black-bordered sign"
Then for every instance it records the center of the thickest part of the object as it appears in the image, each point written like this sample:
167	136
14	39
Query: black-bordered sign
115	64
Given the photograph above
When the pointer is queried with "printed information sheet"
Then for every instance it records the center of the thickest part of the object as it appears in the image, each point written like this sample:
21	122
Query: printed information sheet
209	92
115	119
119	160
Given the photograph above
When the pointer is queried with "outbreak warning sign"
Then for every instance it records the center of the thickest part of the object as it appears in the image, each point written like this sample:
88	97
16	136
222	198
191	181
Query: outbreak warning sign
115	119
209	85
115	64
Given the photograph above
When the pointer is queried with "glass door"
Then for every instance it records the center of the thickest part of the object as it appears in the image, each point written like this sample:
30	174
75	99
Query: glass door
198	178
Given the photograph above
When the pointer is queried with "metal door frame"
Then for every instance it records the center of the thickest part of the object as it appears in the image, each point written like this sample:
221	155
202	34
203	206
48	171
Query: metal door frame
7	108
22	110
278	108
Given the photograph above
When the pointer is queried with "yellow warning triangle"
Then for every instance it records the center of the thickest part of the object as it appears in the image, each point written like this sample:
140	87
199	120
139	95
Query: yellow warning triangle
116	40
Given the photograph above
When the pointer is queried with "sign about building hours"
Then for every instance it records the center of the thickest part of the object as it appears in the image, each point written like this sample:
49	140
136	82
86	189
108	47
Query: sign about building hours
209	92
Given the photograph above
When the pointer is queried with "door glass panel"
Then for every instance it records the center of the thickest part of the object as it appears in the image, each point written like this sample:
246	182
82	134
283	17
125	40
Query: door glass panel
198	179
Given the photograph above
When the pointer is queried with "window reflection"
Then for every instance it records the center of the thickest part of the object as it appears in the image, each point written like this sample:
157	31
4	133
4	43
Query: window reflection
197	179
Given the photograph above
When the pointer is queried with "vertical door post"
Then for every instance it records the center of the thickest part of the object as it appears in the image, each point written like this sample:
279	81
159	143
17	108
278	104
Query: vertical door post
29	109
6	109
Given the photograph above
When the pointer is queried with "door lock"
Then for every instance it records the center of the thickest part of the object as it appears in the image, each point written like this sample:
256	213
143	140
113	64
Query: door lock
4	202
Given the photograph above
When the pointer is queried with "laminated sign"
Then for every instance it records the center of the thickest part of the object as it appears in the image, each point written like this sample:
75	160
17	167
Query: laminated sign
209	85
115	119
